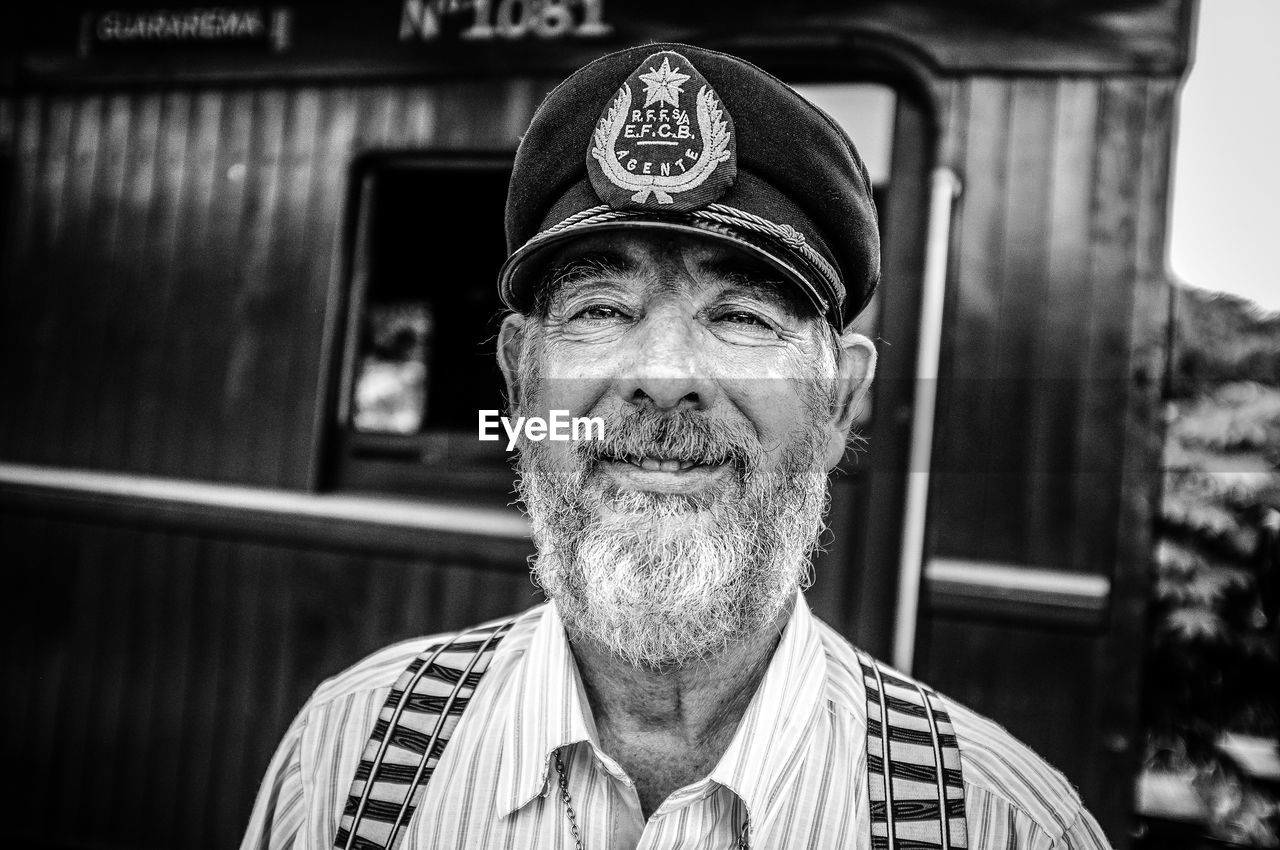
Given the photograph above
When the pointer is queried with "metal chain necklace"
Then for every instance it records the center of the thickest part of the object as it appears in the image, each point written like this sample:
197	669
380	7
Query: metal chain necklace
743	843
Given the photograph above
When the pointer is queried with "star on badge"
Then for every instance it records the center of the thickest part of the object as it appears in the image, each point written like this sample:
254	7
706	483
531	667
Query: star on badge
663	84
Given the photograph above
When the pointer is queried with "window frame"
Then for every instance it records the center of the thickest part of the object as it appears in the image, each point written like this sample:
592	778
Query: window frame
444	462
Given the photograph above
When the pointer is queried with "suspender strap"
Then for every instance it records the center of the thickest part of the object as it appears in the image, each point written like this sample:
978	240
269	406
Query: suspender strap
913	764
913	761
409	738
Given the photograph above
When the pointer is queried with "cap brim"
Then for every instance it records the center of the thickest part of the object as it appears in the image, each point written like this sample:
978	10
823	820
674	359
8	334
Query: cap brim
519	276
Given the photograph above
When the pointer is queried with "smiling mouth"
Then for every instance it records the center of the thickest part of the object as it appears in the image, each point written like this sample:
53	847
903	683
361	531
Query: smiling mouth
649	463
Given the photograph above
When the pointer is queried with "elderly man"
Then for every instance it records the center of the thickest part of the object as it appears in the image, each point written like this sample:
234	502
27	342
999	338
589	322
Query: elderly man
691	240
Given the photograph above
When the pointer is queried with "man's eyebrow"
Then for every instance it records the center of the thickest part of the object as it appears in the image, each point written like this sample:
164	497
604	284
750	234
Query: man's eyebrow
592	264
761	281
595	264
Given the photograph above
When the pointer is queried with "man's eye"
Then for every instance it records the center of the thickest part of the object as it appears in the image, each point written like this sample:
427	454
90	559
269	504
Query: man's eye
599	312
740	317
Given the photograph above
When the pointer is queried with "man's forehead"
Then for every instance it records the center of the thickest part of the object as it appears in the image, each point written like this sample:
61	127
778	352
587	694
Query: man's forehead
645	257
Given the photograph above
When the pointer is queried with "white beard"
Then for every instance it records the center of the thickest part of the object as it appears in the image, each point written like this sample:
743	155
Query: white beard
662	580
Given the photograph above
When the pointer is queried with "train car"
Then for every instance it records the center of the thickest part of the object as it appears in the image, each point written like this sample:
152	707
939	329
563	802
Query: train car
247	263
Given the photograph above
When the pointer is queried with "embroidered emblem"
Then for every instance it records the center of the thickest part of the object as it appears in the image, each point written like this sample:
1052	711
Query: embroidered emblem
664	142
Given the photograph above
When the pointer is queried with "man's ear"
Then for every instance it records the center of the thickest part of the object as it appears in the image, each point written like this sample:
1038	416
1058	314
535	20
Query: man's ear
855	369
509	345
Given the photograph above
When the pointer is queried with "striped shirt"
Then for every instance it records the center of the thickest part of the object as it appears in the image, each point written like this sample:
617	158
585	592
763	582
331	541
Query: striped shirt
796	764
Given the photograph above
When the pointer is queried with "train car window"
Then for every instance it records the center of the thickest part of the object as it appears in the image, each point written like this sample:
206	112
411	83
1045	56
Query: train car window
422	314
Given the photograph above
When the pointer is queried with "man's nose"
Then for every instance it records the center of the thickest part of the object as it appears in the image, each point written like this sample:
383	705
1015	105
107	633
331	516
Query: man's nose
667	367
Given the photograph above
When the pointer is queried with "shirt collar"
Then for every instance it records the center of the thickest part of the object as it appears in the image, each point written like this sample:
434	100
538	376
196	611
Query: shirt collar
769	744
551	711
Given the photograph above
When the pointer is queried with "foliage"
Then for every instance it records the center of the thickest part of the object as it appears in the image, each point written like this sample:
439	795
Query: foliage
1220	339
1214	664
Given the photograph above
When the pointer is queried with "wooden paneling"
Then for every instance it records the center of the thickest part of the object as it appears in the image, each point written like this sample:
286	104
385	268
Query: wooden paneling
168	270
1047	447
1033	705
150	674
1035	366
167	274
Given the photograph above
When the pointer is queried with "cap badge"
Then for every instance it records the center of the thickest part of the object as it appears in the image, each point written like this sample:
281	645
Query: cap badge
661	146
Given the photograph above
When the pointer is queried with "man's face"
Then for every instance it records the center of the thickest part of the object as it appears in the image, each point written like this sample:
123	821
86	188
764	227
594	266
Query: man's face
690	524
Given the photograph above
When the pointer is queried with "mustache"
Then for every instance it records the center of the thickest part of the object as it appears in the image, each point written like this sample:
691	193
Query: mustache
682	435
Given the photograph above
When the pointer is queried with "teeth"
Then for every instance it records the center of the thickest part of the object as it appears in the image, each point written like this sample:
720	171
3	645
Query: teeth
653	464
657	464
